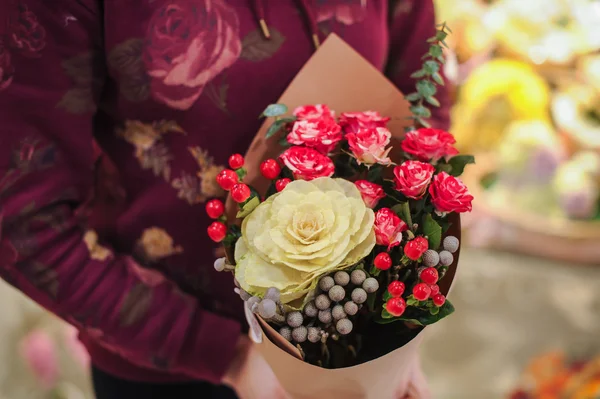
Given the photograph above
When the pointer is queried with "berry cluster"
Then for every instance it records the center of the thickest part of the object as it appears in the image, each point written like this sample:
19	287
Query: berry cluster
339	297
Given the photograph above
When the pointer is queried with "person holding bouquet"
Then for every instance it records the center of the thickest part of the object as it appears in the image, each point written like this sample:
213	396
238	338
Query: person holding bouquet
167	89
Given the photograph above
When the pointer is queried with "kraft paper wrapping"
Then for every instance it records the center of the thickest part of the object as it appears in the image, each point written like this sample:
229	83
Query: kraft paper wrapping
338	76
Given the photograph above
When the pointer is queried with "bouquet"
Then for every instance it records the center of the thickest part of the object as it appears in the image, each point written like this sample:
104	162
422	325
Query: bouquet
342	258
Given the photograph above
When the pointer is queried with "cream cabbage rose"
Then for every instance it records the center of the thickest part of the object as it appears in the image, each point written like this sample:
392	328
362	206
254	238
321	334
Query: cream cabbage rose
295	236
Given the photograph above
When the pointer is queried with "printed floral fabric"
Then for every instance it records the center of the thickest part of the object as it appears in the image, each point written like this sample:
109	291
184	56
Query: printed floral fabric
188	43
24	37
347	12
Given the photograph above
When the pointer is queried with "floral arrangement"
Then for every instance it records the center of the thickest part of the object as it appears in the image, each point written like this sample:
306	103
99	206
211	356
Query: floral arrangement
350	240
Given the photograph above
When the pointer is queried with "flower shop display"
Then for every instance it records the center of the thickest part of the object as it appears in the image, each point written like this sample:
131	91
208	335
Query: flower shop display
350	236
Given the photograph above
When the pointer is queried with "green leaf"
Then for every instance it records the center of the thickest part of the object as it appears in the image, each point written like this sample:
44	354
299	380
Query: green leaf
433	101
434	310
435	51
402	210
441	35
375	173
248	207
445	310
425	88
459	162
284	143
433	231
411	301
422	122
419	74
274	110
438	78
387	295
443	167
420	111
241	172
431	67
385	314
412	97
371	298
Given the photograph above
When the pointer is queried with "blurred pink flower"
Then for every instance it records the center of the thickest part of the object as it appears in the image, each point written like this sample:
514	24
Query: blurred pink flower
39	353
75	347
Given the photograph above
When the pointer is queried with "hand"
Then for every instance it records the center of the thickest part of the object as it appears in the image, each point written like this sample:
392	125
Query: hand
251	376
417	385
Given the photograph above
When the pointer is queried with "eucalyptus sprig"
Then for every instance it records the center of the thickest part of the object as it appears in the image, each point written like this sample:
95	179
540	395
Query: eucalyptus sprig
428	77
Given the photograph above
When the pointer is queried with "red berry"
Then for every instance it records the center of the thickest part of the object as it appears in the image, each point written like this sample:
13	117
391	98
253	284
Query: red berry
383	261
240	192
435	289
270	169
421	291
395	306
215	208
217	231
429	276
439	300
236	161
281	183
227	179
416	247
396	288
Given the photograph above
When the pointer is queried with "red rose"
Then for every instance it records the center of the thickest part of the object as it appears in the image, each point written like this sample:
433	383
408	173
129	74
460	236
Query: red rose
307	163
7	70
321	134
388	228
412	178
416	247
188	43
449	194
369	146
353	122
25	34
310	112
371	193
429	144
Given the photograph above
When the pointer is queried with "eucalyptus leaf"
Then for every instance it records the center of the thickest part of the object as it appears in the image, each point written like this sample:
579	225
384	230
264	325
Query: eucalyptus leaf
419	74
420	111
412	97
431	67
425	88
438	78
433	101
435	51
275	110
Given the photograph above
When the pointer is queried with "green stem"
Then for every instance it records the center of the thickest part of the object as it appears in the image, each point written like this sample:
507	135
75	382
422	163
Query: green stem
406	211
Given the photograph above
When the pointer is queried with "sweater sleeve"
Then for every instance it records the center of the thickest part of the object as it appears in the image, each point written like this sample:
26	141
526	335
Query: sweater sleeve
412	22
50	78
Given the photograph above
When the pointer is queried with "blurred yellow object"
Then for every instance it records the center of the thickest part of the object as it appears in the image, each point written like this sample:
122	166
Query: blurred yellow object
589	67
521	139
493	96
576	110
470	36
546	31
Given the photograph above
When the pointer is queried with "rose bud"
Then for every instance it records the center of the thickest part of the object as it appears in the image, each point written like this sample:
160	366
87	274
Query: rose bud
449	194
388	228
371	193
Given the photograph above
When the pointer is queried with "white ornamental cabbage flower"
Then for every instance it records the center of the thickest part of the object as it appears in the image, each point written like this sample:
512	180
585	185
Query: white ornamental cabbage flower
295	236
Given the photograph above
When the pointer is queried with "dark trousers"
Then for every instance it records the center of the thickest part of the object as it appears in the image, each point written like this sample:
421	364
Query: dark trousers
108	386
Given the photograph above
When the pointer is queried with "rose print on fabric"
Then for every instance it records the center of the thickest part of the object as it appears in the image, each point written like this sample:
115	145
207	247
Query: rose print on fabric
197	189
188	43
7	69
149	148
156	244
97	251
347	12
25	34
24	37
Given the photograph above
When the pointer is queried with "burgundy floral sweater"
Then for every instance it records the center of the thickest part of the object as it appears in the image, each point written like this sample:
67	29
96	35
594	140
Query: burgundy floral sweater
167	89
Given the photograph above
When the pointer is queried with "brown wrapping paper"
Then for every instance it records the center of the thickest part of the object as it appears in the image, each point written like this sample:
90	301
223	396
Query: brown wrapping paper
338	76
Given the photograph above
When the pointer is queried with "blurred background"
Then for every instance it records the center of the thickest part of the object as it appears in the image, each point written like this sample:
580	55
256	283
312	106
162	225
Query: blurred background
526	84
